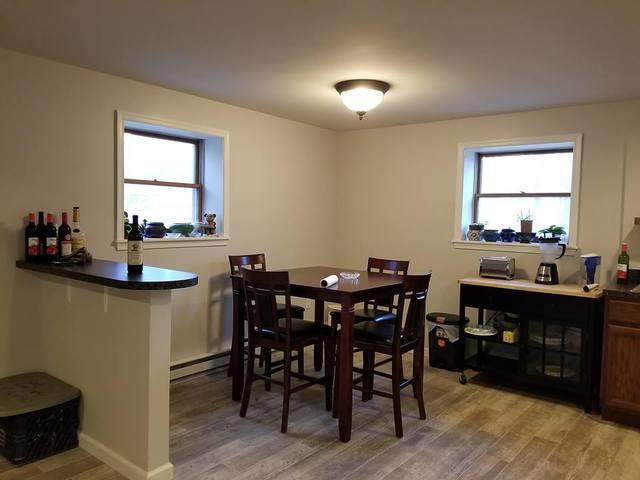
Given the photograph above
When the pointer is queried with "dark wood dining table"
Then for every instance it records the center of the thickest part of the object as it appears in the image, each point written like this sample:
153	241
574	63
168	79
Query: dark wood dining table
305	283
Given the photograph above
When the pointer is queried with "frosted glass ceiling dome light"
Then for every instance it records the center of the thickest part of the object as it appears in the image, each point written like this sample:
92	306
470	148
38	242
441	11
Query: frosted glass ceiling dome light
361	96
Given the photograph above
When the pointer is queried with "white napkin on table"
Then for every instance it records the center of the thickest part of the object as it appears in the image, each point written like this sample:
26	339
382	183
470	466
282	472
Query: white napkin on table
328	281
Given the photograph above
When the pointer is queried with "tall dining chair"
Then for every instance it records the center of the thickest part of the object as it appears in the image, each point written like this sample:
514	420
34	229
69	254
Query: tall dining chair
393	339
269	330
258	261
382	310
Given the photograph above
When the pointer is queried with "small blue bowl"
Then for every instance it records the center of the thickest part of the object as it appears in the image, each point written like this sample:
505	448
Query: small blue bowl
491	235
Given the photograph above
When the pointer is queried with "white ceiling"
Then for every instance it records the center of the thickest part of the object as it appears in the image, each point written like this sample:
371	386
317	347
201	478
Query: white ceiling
443	58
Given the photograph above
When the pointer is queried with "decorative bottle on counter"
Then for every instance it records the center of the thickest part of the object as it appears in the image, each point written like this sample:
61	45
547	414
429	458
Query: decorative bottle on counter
51	235
135	248
78	239
42	237
64	236
622	271
31	242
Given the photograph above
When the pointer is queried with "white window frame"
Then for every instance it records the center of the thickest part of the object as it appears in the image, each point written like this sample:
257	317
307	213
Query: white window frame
216	189
465	188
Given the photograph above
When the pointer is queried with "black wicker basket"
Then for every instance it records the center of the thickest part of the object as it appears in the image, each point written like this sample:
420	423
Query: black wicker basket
31	435
28	437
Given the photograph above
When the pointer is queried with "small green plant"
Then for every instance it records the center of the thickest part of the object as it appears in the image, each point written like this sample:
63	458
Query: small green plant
554	230
525	215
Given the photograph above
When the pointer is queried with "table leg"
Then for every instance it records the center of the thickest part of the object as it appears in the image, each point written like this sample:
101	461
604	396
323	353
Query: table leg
461	348
345	366
317	348
237	348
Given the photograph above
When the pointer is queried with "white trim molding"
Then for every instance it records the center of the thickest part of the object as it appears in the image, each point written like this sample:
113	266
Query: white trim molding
121	464
465	181
181	242
511	247
216	170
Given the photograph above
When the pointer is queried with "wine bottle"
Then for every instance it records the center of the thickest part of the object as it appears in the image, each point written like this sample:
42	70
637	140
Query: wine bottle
51	239
78	239
622	271
42	238
31	241
64	236
134	248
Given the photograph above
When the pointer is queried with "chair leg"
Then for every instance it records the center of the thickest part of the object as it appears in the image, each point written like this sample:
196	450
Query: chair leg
230	367
329	352
263	353
287	390
418	379
395	387
367	367
248	381
371	375
266	352
301	361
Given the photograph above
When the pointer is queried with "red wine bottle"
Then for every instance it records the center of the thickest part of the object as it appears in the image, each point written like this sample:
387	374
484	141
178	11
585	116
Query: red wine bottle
42	237
31	241
64	236
134	248
51	239
622	269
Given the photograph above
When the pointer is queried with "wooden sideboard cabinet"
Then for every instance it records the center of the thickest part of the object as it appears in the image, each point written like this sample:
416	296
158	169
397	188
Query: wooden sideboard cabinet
620	389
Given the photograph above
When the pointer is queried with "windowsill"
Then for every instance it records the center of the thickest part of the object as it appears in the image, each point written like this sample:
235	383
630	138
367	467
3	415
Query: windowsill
183	242
512	247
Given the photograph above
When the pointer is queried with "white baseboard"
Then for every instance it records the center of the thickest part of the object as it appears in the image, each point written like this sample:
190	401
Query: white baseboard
121	464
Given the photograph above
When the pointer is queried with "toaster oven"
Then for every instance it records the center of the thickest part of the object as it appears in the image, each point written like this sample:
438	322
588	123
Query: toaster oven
498	267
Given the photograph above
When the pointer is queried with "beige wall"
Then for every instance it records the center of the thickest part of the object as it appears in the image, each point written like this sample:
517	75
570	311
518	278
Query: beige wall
303	195
397	189
57	150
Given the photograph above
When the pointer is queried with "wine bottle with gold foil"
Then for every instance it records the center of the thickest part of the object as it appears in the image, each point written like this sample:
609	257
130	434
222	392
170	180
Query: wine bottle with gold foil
135	248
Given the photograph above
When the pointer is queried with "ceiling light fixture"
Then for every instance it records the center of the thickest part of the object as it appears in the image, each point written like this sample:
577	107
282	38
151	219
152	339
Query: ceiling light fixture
361	96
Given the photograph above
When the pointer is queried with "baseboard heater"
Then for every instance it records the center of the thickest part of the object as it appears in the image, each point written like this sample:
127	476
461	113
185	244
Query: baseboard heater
216	361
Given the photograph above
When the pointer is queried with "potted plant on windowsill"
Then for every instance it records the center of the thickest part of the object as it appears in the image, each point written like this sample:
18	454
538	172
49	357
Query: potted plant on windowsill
553	230
526	221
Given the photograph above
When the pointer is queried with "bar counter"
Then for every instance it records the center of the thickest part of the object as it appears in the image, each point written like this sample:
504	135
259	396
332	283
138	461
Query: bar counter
108	334
115	275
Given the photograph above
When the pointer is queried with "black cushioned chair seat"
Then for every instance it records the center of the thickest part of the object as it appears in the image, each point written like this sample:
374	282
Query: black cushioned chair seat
301	328
374	331
362	315
379	332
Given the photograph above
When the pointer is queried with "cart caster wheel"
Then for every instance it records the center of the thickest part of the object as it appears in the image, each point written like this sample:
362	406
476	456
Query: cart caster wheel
462	379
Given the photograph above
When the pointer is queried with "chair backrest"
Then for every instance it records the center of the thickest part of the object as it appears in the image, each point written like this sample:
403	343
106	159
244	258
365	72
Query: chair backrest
381	265
415	289
257	261
261	289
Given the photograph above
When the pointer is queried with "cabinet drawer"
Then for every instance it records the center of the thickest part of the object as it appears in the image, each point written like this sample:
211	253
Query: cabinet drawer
626	313
492	298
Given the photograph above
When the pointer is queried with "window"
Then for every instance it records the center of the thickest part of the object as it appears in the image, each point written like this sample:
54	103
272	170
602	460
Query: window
500	181
162	177
171	172
514	184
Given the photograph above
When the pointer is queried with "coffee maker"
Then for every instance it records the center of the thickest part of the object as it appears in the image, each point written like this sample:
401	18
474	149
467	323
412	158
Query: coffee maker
548	270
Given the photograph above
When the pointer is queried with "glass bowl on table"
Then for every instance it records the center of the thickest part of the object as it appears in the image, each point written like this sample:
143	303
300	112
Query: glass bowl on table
349	275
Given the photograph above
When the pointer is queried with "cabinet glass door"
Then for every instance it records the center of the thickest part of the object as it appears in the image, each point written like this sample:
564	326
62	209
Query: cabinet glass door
553	350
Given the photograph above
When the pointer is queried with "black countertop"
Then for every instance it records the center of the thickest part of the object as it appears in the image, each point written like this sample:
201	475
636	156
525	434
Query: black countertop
616	290
114	274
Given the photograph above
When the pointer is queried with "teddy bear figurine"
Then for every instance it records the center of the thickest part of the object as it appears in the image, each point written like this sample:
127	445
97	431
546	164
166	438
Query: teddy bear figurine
210	227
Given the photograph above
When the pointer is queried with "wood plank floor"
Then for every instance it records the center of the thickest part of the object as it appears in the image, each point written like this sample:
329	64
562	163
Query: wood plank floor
472	432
